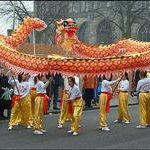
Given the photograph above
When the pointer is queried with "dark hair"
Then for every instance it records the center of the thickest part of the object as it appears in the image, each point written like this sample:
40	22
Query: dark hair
111	75
20	77
100	79
72	79
37	77
104	77
48	76
40	76
143	74
126	75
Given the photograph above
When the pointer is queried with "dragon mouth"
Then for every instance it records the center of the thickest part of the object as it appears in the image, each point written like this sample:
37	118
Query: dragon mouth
72	28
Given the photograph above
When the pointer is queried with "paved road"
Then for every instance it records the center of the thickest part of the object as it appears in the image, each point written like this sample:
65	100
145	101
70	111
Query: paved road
121	136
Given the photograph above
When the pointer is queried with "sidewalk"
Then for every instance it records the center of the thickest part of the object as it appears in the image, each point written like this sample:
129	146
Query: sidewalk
113	103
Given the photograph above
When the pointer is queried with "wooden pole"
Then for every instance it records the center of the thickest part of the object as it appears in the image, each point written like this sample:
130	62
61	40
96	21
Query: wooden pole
117	85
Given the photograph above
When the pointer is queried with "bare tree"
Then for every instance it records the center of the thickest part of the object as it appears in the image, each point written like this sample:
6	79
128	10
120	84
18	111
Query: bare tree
127	13
50	11
7	8
124	14
12	10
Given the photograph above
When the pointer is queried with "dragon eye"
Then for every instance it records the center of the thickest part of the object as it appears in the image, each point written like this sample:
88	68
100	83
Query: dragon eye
65	23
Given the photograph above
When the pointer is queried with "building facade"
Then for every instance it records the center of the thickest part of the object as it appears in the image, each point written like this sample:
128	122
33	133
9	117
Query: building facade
97	20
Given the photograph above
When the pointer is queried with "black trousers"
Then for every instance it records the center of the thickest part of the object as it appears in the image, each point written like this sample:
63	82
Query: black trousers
5	104
88	96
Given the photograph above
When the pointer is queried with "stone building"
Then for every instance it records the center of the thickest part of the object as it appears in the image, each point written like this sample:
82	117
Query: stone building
94	18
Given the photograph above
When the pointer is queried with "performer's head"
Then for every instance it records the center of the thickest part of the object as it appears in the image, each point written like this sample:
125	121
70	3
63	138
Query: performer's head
2	71
110	78
143	74
20	77
125	77
71	81
37	78
26	77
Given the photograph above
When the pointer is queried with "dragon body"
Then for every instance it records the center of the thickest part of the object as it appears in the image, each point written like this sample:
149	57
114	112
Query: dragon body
66	38
21	62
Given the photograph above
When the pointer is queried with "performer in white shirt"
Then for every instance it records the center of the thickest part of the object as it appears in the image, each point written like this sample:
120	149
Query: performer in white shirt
64	114
104	100
33	95
143	88
21	102
123	112
75	102
39	100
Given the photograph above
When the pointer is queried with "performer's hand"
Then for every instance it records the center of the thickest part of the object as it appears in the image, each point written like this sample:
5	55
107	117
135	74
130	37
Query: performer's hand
9	73
4	88
50	79
119	78
21	97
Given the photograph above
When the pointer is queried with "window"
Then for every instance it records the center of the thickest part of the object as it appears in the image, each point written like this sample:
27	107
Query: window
144	32
104	32
71	7
76	7
82	31
95	4
83	7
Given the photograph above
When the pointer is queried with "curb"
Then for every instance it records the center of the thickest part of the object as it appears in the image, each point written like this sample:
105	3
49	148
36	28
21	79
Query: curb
88	109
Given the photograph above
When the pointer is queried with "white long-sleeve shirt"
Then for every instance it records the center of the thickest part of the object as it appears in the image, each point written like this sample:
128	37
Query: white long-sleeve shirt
23	87
106	85
77	80
66	85
124	85
31	81
143	85
74	92
41	87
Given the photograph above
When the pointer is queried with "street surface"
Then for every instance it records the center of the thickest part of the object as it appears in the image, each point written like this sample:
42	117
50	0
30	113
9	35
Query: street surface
121	136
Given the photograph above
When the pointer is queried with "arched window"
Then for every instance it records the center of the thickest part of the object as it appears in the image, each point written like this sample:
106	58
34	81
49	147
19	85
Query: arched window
144	32
104	32
82	31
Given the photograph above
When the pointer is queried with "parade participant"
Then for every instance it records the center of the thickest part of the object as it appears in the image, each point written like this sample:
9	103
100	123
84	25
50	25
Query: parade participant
21	102
39	100
123	100
64	114
143	88
33	95
75	102
64	105
104	100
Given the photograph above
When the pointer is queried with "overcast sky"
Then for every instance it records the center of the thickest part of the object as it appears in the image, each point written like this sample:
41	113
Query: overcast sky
5	24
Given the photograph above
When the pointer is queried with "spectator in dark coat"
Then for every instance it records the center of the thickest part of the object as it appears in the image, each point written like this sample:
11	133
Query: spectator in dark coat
53	89
3	85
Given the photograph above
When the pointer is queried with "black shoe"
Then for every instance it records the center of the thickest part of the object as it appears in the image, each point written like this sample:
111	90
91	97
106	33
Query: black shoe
56	108
90	106
2	118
